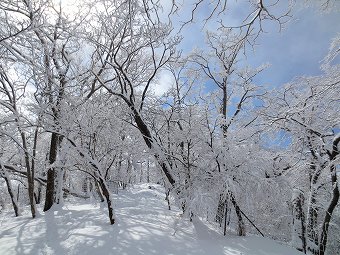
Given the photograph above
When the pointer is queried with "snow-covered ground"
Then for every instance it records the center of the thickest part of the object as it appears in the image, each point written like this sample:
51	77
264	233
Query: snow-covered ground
144	226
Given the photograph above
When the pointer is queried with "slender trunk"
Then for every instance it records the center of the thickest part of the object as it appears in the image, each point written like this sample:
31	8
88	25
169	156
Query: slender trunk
18	192
128	171
10	191
167	198
224	109
99	192
220	210
141	173
119	166
37	194
30	174
161	160
225	216
108	198
34	153
241	225
148	171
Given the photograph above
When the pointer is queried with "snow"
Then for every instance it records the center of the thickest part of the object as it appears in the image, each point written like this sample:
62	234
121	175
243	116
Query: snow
143	226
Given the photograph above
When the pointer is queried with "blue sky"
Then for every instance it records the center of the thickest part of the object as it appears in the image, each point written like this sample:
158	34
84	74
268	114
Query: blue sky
297	50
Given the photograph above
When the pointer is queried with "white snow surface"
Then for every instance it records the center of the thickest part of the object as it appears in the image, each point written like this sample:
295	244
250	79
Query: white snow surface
144	225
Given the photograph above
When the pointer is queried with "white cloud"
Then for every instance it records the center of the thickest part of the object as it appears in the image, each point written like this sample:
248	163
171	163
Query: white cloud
165	82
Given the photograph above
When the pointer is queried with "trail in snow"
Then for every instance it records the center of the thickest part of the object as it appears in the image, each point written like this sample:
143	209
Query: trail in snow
144	226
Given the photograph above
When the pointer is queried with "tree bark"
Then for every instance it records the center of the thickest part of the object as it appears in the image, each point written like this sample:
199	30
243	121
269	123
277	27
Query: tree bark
108	198
10	191
241	225
99	192
335	196
30	174
37	194
299	225
143	128
225	217
51	172
329	212
312	224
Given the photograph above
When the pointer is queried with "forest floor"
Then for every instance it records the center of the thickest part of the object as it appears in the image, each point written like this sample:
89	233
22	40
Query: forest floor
144	226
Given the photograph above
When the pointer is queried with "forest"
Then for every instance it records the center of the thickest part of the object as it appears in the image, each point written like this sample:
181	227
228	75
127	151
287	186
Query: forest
84	112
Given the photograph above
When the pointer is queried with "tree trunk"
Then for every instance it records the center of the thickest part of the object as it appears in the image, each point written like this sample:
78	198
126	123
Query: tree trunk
37	194
30	174
58	187
10	191
313	210
329	212
49	197
148	171
312	225
241	225
220	210
108	198
299	225
335	195
167	198
51	172
225	216
101	181
99	192
161	159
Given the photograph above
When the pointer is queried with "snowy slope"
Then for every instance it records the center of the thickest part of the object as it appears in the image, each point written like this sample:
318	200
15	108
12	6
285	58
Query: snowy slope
144	226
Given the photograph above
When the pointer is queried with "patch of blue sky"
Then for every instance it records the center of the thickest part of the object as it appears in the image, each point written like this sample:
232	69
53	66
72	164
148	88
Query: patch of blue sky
297	50
336	130
277	140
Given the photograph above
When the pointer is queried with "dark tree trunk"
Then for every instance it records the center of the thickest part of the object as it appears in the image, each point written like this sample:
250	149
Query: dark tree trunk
220	210
329	212
30	174
11	193
99	192
312	225
335	196
241	225
143	128
224	108
167	198
51	173
299	225
148	171
37	194
107	196
102	184
49	197
225	217
313	210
